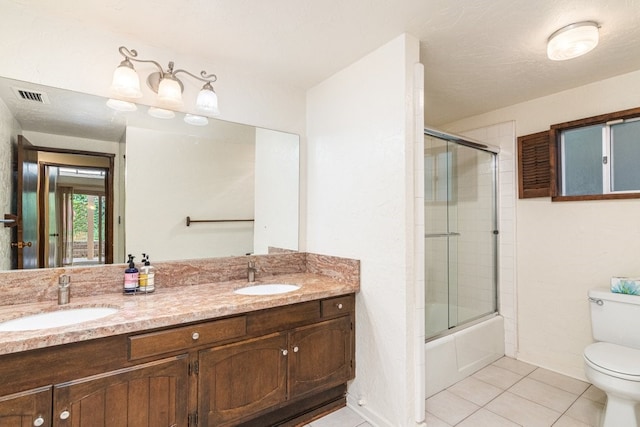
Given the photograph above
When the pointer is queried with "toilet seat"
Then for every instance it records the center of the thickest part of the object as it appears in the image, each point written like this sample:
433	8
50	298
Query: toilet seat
615	360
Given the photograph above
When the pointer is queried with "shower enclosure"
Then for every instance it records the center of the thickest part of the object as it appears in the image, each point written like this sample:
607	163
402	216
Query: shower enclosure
460	232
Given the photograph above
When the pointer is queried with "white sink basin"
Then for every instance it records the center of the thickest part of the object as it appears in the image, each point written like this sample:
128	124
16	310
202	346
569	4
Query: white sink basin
54	319
267	289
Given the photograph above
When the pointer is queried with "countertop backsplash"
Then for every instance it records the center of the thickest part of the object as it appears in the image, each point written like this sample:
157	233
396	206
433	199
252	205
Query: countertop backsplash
40	285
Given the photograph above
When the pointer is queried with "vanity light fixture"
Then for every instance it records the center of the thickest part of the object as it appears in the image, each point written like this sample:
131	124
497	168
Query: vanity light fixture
126	84
573	40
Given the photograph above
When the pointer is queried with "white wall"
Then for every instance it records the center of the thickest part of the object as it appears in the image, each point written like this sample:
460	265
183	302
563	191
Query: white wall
70	55
176	176
9	128
360	163
565	248
276	190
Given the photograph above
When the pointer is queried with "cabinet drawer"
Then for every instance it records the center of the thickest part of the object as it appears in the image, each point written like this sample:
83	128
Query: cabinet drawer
156	343
336	306
281	318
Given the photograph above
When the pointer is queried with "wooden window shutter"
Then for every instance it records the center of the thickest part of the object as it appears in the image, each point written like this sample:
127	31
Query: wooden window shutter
534	165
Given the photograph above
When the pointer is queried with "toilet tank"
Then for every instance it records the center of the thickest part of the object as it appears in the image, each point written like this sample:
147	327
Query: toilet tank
614	317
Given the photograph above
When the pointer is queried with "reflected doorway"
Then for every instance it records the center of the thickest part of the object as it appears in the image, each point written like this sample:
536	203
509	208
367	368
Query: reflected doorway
64	206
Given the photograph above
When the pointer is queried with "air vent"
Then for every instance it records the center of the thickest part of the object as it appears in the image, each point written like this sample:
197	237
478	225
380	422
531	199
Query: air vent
30	95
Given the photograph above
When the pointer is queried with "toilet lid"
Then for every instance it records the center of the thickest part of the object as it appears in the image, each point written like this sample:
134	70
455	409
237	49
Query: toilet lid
615	358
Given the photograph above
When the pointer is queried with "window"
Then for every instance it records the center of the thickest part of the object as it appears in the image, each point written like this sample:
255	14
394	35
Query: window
586	159
600	159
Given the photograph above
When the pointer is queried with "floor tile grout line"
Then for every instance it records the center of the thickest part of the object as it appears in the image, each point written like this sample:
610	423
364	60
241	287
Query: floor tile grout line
508	389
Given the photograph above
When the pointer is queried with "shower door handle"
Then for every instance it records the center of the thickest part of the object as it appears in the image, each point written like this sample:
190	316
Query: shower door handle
441	234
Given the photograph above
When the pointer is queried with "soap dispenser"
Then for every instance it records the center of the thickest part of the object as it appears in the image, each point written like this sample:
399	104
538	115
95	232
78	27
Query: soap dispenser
131	277
147	275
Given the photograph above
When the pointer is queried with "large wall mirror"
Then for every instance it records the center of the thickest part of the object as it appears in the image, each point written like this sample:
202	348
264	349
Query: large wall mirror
93	184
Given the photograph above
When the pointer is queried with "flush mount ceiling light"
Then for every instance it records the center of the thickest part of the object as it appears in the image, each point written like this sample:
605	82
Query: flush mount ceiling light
572	41
126	84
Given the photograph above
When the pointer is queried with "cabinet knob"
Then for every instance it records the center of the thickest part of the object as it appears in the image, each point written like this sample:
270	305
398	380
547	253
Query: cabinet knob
64	415
285	352
339	306
38	421
295	349
195	336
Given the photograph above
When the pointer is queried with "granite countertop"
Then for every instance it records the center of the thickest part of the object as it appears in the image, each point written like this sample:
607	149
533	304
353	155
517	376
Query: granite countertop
165	307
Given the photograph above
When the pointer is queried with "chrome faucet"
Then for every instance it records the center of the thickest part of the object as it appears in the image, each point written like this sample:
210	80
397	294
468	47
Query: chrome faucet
251	271
64	289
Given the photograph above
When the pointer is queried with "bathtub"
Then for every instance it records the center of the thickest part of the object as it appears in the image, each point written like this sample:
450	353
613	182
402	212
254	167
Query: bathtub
453	357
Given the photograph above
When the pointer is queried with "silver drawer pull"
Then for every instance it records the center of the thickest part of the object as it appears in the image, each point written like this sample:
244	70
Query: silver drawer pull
38	421
195	336
284	352
596	300
339	306
295	349
64	415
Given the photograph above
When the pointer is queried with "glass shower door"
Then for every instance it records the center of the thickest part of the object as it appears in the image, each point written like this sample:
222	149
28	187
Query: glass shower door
460	234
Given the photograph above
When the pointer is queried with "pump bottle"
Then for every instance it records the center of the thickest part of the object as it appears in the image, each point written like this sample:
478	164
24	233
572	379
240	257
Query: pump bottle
131	277
147	275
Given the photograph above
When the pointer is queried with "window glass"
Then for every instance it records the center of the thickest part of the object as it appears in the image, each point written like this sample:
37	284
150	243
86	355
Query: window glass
625	156
582	161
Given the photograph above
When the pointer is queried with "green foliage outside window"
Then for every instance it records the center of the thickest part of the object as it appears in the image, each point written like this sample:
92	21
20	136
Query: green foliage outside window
80	203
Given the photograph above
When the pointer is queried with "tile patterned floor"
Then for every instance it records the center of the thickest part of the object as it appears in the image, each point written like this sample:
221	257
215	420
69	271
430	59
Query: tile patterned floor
507	393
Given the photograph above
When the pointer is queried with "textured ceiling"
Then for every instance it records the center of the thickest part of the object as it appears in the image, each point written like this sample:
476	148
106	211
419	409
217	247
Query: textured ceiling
479	55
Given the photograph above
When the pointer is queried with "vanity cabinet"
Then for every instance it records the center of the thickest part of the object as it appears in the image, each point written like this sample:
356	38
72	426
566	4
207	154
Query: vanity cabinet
240	380
277	366
153	394
319	356
26	409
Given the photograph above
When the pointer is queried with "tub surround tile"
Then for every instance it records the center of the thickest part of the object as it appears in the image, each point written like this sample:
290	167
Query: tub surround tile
169	304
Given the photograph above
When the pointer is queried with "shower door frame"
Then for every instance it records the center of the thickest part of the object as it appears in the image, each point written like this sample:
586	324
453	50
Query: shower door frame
477	145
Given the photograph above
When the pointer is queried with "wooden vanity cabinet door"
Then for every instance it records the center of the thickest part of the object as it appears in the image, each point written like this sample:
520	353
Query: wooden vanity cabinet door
149	395
239	380
320	356
26	409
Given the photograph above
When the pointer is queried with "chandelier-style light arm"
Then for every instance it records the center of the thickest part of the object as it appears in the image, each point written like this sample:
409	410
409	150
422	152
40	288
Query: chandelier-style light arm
133	56
211	78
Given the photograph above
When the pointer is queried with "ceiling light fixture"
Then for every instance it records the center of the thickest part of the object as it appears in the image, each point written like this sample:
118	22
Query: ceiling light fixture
572	41
126	84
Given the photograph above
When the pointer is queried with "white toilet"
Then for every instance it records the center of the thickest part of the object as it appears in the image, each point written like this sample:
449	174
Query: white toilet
613	363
